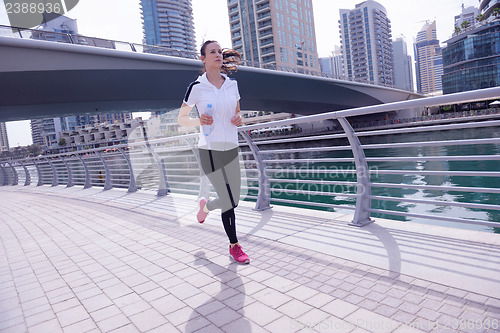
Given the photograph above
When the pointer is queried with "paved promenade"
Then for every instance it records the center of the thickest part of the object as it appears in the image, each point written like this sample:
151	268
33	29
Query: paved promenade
75	260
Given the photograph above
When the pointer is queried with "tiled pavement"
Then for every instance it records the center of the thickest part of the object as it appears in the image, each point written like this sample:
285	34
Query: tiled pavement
78	260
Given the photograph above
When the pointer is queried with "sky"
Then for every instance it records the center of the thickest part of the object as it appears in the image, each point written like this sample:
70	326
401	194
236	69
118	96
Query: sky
120	20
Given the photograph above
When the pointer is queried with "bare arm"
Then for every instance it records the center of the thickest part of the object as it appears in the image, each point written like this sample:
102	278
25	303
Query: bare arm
184	120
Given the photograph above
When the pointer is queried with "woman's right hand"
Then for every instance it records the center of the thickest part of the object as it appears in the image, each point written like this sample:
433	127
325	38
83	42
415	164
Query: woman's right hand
205	119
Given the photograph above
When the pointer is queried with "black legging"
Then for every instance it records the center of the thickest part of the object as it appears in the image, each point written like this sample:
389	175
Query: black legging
223	170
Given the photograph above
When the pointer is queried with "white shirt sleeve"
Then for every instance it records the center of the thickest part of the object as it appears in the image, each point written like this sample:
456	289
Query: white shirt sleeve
192	94
237	91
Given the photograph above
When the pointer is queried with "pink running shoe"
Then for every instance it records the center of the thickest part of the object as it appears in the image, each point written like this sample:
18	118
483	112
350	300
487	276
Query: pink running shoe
201	216
238	255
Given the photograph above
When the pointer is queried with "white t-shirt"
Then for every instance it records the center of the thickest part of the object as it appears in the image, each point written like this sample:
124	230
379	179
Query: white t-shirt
202	93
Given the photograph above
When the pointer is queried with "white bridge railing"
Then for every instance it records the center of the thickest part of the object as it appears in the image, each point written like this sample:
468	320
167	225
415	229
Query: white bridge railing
332	171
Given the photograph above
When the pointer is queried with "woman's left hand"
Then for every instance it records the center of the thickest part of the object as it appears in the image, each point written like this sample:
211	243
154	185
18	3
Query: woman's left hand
236	120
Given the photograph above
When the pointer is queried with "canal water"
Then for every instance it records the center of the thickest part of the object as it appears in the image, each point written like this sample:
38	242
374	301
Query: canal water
343	171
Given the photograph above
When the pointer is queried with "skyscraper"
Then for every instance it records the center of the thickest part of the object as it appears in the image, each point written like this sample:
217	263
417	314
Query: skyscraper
333	65
428	60
365	33
403	73
469	15
46	132
168	23
326	65
4	140
278	32
36	131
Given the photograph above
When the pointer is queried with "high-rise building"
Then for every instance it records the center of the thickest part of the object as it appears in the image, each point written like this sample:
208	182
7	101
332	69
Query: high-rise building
365	32
468	15
278	32
333	64
168	23
471	59
337	63
326	65
428	60
4	140
403	73
36	131
46	132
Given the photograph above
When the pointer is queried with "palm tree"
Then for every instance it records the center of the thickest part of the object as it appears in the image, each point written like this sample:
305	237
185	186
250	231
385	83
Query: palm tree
457	30
465	24
480	18
496	11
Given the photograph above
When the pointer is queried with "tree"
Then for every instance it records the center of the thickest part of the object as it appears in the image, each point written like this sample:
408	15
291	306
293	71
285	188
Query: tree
34	150
457	30
480	18
496	11
5	154
465	24
62	142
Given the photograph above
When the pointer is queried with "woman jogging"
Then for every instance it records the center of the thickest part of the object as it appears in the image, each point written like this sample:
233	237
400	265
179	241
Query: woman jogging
216	97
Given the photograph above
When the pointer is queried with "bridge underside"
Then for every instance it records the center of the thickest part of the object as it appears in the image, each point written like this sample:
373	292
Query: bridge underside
46	79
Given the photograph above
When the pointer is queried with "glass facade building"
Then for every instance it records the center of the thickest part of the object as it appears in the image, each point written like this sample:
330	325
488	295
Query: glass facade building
472	60
403	73
168	23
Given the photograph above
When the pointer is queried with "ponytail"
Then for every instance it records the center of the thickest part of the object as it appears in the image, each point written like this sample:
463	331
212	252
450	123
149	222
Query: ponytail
230	60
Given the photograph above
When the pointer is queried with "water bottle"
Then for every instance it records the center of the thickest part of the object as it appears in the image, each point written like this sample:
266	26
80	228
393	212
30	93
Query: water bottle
207	129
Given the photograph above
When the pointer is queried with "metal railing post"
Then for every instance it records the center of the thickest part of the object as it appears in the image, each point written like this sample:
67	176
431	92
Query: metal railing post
132	187
40	180
54	173
162	184
27	181
363	186
14	174
264	195
5	179
87	183
70	174
107	181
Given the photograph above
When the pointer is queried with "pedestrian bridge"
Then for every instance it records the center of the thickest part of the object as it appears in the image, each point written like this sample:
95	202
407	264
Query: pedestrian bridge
43	78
